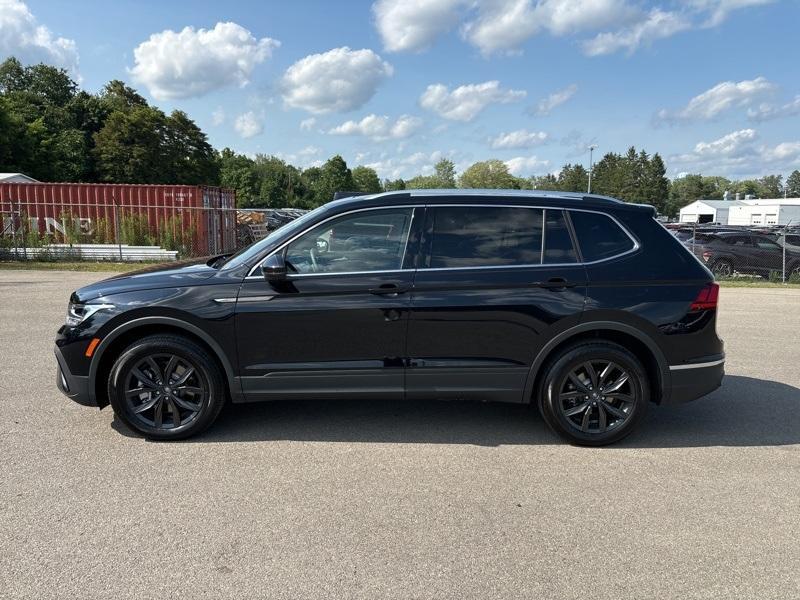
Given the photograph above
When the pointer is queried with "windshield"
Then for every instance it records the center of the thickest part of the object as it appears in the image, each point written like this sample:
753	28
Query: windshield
249	252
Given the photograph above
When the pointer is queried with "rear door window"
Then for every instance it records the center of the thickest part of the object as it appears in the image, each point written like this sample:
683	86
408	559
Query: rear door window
558	247
599	236
485	236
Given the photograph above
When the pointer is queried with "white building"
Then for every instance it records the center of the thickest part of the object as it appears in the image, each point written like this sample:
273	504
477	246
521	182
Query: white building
708	211
764	211
16	178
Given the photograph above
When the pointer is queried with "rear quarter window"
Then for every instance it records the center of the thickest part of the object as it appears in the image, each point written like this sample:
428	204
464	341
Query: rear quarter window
599	236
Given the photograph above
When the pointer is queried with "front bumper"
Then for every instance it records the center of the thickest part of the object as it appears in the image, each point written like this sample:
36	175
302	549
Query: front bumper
74	387
693	380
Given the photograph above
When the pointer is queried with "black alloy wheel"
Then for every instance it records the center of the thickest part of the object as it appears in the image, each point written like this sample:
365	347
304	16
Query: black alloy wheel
165	391
166	387
597	396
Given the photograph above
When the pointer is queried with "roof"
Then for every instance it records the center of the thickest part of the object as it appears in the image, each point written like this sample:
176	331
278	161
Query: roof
716	203
17	178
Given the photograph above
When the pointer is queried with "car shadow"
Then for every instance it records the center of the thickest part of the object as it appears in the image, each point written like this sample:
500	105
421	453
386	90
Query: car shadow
743	412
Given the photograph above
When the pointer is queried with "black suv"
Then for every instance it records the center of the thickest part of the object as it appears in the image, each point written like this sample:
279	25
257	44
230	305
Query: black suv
730	252
582	304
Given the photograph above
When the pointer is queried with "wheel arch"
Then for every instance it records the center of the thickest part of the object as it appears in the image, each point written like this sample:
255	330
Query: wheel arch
119	338
644	347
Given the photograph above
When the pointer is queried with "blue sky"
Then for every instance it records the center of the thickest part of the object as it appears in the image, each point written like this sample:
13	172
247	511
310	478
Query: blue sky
712	85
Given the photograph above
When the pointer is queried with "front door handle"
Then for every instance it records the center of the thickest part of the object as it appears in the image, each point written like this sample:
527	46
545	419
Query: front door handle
388	289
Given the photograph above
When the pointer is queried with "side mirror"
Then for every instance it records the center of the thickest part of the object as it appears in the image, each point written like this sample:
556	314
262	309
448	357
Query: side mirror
274	268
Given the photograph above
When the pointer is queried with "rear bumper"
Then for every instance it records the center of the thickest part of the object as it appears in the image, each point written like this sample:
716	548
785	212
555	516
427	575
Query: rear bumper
74	387
693	380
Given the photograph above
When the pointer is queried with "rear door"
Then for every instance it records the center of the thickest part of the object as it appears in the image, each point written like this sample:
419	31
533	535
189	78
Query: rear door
491	284
769	255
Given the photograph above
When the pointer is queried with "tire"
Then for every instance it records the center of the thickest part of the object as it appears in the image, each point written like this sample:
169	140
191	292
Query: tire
722	268
180	388
564	389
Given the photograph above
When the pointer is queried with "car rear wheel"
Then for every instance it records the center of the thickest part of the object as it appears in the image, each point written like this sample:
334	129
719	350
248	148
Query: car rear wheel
722	268
166	387
594	393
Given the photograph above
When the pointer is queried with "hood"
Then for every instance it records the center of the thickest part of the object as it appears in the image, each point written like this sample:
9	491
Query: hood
176	274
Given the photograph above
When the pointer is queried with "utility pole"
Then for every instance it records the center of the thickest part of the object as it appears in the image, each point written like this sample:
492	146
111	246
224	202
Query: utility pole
591	166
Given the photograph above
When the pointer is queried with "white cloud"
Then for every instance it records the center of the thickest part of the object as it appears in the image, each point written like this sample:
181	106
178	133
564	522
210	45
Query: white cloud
526	165
719	99
218	116
191	62
728	145
413	25
658	24
418	163
466	101
23	37
738	155
336	81
308	124
503	25
768	112
554	100
379	127
248	125
718	10
522	138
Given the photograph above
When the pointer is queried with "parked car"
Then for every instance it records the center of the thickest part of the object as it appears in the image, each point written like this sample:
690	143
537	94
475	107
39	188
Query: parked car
583	305
790	239
731	252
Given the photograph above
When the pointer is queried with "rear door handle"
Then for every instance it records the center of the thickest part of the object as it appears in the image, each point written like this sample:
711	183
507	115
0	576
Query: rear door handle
388	289
557	283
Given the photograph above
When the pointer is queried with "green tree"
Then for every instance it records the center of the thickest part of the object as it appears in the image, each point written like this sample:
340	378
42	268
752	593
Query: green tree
793	184
489	174
334	177
393	185
770	186
128	148
236	172
366	180
655	187
188	156
445	173
572	178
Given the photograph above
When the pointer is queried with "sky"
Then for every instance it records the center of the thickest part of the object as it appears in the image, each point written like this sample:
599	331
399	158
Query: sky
711	85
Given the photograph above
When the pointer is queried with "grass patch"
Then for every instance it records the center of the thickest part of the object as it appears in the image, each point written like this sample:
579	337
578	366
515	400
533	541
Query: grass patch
72	266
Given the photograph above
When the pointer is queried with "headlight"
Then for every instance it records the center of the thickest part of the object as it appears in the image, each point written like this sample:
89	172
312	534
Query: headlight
78	313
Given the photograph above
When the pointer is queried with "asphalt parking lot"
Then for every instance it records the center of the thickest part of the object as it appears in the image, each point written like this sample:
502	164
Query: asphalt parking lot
401	500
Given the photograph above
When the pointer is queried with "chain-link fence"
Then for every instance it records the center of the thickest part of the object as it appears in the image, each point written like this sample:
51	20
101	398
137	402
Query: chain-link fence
730	252
113	232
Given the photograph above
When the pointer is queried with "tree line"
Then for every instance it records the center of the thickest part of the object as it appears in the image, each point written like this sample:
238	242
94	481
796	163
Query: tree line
54	131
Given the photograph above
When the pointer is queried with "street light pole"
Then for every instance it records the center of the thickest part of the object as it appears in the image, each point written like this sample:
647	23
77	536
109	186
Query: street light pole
591	166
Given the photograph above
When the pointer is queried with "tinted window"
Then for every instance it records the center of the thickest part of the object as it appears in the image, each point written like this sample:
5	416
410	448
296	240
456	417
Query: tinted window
557	240
478	236
766	244
599	236
794	240
738	240
373	240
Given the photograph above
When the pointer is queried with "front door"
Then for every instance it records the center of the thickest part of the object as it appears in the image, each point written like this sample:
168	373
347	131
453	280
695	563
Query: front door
337	325
489	287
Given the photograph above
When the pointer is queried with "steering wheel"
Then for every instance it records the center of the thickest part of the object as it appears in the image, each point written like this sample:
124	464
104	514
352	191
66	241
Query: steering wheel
312	254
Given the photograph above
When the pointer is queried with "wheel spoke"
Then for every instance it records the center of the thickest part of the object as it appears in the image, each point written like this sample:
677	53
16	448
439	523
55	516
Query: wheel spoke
617	412
571	412
146	405
156	369
627	398
138	391
571	395
605	373
617	384
190	389
170	368
158	415
591	373
185	404
144	379
586	416
176	413
578	383
185	376
601	418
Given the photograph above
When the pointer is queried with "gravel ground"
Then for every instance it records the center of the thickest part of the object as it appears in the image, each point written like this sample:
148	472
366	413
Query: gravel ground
401	500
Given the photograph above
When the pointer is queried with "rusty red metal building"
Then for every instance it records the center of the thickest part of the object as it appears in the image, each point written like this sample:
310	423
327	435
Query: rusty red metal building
203	213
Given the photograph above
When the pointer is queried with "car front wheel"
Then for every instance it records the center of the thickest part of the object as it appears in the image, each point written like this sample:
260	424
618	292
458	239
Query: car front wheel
166	387
594	393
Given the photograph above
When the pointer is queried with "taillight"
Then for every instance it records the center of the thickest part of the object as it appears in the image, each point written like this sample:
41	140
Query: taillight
707	298
706	256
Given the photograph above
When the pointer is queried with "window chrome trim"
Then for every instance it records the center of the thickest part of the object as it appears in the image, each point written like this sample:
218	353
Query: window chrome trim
336	216
634	240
